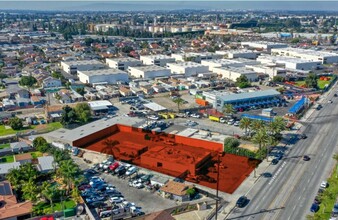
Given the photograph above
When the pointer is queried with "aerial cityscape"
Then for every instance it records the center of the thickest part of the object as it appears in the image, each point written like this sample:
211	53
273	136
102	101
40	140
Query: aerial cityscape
168	110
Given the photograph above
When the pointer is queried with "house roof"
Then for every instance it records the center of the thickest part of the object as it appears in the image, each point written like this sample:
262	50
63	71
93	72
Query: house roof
20	144
175	188
45	163
5	167
26	156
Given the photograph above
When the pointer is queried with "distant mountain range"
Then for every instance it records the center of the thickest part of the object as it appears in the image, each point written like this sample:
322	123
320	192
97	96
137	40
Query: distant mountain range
169	5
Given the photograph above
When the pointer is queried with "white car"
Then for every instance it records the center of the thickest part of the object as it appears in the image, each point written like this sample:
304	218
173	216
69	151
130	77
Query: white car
231	122
195	115
116	199
127	204
324	184
153	117
236	123
131	171
222	120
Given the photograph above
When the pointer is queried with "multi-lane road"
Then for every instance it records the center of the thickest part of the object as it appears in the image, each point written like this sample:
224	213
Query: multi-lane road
290	192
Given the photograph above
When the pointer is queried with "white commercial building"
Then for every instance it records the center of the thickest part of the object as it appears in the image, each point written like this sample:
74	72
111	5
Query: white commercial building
148	72
312	55
291	63
109	76
231	54
187	68
271	71
196	57
227	62
158	60
81	65
123	63
233	73
264	45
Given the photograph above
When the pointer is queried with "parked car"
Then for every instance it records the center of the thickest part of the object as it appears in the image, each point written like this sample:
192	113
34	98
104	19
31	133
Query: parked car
303	136
236	123
241	202
131	171
274	161
324	184
116	199
306	158
314	207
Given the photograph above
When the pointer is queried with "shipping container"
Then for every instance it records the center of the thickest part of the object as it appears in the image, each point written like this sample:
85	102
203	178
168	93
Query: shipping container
214	118
202	102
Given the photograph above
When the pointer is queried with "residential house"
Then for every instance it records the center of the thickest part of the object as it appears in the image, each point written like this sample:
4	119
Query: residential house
125	91
36	92
35	100
46	164
176	191
148	89
19	147
23	158
6	167
51	82
23	102
8	104
23	93
10	208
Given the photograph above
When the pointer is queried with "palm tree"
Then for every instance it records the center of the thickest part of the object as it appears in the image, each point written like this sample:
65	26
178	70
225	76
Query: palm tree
14	177
29	171
178	102
228	109
30	190
76	195
261	138
245	123
257	125
277	125
109	146
69	171
48	192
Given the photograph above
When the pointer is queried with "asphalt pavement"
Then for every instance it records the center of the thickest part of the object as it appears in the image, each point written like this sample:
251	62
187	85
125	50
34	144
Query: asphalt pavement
294	184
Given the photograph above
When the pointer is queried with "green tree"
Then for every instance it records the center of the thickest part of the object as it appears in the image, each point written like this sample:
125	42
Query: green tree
277	125
228	109
28	81
68	116
311	81
81	91
15	123
76	195
14	177
278	79
40	144
242	82
30	190
88	41
261	138
68	171
245	124
231	142
48	192
29	171
179	102
83	112
257	125
335	157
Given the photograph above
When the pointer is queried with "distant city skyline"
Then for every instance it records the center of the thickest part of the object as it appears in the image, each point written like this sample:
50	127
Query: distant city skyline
138	5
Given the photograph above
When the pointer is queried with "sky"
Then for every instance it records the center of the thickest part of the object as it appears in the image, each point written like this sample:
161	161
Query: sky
132	5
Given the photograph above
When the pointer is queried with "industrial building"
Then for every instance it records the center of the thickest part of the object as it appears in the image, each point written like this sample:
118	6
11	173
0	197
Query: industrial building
81	65
196	57
248	99
231	54
109	76
123	63
233	73
158	60
241	62
100	107
187	68
264	45
271	71
148	72
312	55
289	62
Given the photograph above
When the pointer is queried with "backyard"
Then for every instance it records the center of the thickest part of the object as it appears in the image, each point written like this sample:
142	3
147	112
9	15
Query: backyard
322	82
45	207
42	128
7	159
3	146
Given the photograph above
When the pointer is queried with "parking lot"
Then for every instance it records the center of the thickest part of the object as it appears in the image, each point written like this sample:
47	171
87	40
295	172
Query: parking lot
146	201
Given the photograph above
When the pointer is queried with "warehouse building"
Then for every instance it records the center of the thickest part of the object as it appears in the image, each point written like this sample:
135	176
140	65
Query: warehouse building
187	68
109	76
232	73
241	62
291	63
148	72
311	55
100	107
271	71
158	60
123	63
263	45
231	54
81	65
196	57
248	99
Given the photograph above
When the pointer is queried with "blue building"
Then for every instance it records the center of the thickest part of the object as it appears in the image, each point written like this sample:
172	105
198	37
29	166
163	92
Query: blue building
259	99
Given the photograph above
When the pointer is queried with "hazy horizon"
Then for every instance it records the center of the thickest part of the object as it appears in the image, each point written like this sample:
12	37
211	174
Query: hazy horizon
49	5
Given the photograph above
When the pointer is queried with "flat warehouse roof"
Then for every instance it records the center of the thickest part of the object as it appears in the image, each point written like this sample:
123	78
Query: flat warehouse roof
154	107
99	103
102	72
248	95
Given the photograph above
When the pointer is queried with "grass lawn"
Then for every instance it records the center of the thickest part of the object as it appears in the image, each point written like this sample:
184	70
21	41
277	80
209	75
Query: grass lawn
321	83
3	146
4	131
36	154
329	197
56	206
54	126
7	159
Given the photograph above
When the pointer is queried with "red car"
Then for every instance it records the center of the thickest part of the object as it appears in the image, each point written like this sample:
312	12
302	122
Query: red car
114	166
83	187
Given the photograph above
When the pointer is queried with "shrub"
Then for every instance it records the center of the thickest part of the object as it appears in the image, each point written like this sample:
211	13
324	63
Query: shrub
231	142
